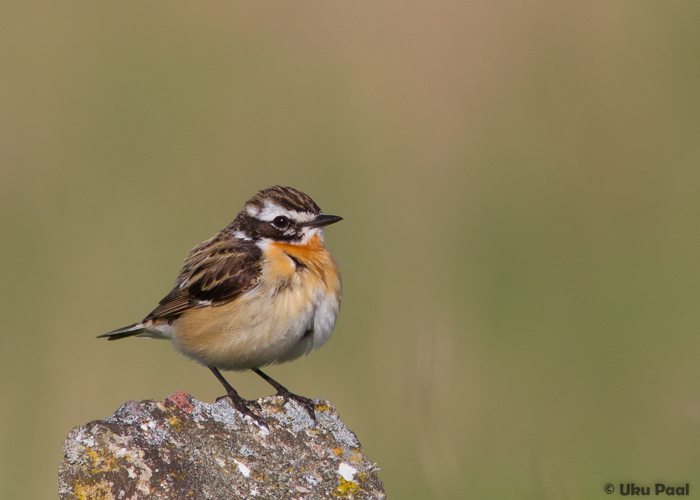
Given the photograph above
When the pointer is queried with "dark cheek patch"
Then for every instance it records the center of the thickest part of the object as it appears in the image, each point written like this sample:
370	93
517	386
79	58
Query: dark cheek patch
257	229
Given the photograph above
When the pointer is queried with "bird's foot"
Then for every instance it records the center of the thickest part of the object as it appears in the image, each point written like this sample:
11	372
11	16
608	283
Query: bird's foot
243	406
247	402
306	403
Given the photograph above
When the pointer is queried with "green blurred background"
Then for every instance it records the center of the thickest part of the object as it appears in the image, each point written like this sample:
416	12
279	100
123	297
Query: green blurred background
521	246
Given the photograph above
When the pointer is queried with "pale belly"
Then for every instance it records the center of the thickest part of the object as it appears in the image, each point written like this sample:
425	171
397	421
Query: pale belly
264	326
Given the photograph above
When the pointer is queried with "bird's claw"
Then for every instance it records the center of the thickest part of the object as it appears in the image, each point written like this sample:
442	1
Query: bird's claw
306	403
243	407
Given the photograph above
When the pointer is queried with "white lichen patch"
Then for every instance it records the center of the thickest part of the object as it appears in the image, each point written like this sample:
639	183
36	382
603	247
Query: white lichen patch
88	441
295	417
245	451
243	468
138	467
224	413
313	479
155	434
347	471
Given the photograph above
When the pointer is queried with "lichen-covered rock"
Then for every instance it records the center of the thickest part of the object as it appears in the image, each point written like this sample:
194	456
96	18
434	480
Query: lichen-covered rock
182	448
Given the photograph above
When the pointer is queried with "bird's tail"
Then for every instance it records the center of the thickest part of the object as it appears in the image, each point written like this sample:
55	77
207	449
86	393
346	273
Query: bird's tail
137	329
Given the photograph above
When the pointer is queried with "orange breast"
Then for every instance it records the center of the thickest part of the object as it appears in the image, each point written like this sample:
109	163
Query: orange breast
300	287
314	256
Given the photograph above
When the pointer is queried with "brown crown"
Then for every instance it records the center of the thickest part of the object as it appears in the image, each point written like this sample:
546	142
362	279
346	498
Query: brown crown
285	197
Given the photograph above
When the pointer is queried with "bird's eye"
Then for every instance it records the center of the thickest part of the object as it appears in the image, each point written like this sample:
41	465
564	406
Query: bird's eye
280	222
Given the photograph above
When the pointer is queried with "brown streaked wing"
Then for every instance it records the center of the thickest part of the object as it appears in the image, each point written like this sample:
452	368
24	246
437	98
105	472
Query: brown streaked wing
215	272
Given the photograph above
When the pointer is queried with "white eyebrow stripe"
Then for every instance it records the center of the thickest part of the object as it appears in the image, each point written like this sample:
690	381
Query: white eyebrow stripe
272	210
241	236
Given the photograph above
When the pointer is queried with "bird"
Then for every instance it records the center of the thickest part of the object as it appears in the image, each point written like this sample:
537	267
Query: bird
264	290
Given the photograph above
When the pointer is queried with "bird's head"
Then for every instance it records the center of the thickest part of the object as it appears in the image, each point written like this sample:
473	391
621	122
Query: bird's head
281	214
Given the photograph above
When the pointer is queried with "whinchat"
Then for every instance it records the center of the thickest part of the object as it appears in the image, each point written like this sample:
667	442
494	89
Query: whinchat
262	291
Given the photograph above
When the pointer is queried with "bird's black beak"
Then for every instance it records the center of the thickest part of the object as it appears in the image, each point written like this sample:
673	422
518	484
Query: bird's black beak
323	220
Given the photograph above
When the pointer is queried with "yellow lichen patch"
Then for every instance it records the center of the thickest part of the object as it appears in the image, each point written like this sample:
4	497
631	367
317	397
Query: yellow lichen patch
346	487
337	451
100	461
98	491
322	407
175	423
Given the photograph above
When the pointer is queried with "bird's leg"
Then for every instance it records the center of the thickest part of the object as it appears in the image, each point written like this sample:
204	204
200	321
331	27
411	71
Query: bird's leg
240	404
308	404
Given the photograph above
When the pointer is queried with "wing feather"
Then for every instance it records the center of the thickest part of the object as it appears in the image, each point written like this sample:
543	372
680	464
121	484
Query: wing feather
214	273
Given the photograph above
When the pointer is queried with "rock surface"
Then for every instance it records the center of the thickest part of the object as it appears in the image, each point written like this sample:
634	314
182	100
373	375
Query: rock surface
182	448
